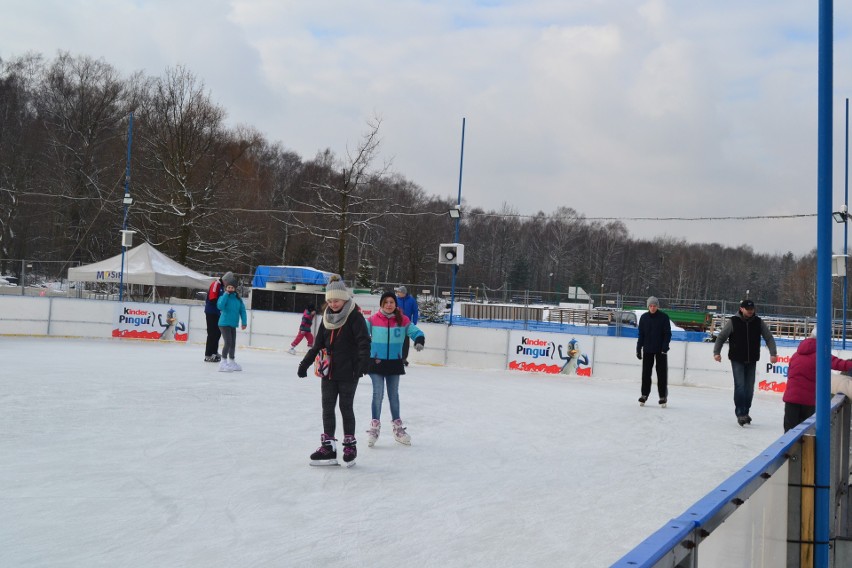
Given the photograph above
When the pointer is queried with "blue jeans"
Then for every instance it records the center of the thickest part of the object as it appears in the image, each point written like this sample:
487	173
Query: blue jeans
743	386
379	393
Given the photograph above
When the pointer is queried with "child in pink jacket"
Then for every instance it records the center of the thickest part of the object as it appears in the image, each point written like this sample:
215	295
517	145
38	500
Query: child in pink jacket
800	396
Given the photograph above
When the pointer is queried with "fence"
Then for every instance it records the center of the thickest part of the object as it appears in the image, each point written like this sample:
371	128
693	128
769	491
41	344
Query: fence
767	501
52	276
746	519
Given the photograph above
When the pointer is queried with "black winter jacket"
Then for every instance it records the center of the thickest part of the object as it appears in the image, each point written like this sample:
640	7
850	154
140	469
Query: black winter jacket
744	336
348	348
655	333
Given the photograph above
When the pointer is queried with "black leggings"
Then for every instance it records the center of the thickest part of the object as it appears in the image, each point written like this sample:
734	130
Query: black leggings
213	334
330	392
229	336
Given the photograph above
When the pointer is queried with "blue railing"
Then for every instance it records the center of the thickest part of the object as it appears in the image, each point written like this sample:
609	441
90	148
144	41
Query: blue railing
678	539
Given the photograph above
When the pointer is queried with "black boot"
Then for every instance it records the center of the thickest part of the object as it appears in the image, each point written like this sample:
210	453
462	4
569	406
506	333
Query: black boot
350	452
326	454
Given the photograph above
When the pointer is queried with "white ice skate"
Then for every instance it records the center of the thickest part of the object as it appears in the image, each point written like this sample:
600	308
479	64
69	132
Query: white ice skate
373	432
234	365
399	433
224	366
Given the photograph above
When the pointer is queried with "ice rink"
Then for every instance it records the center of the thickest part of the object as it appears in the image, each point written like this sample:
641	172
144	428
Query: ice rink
129	453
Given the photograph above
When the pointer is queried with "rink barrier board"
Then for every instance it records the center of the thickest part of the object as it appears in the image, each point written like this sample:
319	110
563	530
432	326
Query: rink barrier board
481	348
763	500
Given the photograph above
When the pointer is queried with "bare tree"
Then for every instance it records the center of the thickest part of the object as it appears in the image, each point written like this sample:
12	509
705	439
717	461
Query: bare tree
19	146
82	105
188	161
342	204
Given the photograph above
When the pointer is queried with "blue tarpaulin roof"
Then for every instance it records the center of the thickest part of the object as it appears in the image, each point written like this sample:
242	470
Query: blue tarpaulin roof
292	274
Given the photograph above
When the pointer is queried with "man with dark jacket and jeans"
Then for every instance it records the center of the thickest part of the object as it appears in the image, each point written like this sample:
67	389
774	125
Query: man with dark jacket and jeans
743	331
211	312
655	334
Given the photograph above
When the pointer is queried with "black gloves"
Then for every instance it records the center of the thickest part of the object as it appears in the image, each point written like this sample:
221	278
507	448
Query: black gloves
639	354
419	343
303	370
363	367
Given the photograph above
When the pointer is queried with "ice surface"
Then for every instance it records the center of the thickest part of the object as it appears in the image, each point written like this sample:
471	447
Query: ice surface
127	453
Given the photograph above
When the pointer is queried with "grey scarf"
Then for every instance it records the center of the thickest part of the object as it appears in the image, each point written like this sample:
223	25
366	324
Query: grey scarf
335	320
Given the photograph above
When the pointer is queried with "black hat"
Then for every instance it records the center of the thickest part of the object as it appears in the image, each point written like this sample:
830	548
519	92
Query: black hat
747	304
388	295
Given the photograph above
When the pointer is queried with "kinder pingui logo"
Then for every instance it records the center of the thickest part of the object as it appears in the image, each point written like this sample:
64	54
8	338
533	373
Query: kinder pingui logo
135	317
534	348
780	367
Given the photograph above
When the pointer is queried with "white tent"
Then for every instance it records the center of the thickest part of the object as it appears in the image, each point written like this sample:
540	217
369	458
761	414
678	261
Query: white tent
142	265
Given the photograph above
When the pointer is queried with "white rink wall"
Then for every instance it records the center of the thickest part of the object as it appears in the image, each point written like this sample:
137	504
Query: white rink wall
457	346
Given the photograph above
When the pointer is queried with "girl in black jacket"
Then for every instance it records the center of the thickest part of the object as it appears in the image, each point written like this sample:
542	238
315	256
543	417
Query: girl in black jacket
343	337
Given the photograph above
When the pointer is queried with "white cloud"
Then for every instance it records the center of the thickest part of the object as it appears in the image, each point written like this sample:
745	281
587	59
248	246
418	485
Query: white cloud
630	108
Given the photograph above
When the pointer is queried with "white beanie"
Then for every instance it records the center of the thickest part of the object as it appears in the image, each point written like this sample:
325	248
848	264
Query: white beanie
336	289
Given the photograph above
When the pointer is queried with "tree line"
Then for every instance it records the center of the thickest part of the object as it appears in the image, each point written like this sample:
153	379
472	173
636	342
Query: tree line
220	198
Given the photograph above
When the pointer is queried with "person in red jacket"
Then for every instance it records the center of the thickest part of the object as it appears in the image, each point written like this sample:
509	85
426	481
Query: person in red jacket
800	395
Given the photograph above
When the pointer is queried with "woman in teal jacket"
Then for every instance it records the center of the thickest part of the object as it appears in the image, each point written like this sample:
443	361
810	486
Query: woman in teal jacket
388	329
233	310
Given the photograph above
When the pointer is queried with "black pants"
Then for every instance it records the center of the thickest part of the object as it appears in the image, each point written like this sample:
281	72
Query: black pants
331	390
662	373
795	414
213	334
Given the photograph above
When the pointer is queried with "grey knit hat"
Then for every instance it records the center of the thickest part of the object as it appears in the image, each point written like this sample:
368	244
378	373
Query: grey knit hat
336	289
228	279
653	300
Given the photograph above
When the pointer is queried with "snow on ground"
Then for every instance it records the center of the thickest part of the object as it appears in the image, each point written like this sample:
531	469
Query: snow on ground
124	453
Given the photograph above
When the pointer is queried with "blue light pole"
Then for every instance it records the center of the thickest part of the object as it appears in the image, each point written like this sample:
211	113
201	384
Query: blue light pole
127	201
846	224
825	82
456	237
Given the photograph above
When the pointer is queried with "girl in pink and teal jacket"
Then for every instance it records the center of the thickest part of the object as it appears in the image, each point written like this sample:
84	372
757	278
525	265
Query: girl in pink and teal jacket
388	329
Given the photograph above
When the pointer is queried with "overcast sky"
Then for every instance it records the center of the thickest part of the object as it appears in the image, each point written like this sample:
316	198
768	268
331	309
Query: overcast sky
616	108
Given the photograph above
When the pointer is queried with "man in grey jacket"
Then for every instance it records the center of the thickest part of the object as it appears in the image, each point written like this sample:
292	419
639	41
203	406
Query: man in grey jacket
743	331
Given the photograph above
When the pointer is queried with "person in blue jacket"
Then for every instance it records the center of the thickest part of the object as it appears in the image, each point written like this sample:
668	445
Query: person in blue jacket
233	311
389	328
408	306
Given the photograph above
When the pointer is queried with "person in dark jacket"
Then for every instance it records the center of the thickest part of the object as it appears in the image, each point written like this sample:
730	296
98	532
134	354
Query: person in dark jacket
344	338
800	394
655	334
211	312
743	332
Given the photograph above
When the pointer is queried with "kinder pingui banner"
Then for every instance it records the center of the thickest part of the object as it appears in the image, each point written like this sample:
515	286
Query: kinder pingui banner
552	353
771	377
151	321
